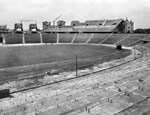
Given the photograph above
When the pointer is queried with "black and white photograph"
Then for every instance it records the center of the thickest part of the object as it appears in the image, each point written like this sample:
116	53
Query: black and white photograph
74	57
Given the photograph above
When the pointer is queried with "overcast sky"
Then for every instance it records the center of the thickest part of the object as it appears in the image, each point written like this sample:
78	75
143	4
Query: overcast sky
11	11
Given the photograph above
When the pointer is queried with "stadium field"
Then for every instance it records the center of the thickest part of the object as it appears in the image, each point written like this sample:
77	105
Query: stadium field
34	60
26	55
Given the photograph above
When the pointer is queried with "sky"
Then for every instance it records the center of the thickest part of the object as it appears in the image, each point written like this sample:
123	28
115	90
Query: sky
12	11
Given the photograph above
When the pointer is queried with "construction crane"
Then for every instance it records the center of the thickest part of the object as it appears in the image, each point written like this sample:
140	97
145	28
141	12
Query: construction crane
25	21
56	20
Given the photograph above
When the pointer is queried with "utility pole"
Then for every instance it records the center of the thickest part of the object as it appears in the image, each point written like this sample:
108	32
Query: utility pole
76	65
134	53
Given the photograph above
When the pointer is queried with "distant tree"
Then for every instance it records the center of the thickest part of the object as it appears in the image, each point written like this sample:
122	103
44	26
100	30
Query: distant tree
147	30
139	30
142	31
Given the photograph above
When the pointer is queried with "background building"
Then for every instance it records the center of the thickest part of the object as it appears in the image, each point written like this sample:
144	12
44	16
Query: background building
92	26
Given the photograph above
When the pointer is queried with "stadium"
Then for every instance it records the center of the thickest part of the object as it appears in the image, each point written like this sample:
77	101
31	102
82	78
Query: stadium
96	67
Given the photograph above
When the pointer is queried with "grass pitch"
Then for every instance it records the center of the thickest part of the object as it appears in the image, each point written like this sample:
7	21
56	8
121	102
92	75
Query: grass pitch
27	55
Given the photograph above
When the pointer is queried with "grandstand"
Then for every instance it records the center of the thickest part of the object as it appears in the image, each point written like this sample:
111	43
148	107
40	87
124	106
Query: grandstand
97	38
13	38
115	38
147	38
132	39
109	22
81	38
32	38
49	37
66	37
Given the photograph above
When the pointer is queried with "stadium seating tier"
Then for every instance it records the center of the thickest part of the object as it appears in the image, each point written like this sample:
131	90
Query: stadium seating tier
32	38
13	38
49	37
65	38
82	38
97	38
